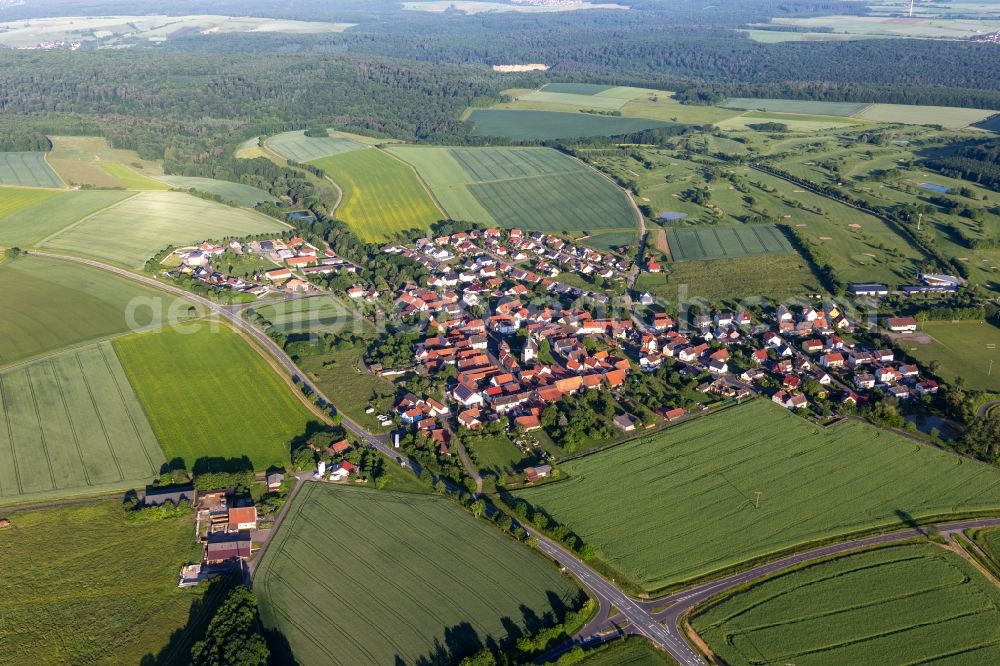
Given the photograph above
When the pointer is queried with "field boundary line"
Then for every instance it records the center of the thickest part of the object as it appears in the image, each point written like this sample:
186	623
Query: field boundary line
83	219
10	435
45	160
128	413
420	180
73	429
41	428
100	419
635	207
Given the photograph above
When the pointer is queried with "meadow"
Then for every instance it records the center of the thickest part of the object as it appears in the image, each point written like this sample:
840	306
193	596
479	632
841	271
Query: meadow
905	604
382	195
775	277
814	484
129	178
795	122
244	195
963	349
90	160
207	393
794	106
337	374
301	148
410	577
718	242
27	169
83	586
909	114
131	231
530	125
81	305
71	425
315	313
25	224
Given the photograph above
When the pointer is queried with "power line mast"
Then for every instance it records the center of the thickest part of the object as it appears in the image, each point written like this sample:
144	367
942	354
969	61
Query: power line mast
911	9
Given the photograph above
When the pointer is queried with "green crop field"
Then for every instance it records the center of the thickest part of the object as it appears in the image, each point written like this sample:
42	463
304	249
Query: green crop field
81	305
301	148
416	577
13	200
905	604
245	195
536	125
71	425
717	242
989	541
130	232
628	651
27	169
795	122
794	106
963	349
777	277
530	188
208	394
83	586
28	225
946	116
577	88
130	178
814	484
316	313
382	195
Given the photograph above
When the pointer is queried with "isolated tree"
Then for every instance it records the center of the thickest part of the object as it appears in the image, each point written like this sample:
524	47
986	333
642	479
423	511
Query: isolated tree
233	637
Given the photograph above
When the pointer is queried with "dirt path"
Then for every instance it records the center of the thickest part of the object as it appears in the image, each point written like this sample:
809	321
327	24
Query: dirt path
956	548
662	244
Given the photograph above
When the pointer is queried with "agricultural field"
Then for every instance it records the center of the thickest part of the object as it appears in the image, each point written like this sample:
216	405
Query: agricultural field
963	349
775	277
717	242
382	195
529	188
946	116
13	199
807	107
814	483
244	195
249	149
89	160
27	170
913	603
628	651
315	313
480	6
893	26
25	224
301	148
108	586
575	97
81	305
131	179
131	231
989	541
427	580
536	125
71	425
208	394
795	122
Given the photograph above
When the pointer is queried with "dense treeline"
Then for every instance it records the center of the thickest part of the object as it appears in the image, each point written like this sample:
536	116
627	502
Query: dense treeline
282	182
979	163
19	140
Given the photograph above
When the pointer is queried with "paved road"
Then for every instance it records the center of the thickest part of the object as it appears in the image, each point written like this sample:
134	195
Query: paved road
378	442
986	407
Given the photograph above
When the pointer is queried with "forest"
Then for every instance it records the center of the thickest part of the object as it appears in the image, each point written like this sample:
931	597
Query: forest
979	162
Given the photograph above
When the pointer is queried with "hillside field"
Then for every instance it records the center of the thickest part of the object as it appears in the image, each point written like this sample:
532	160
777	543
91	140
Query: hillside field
718	242
130	232
244	195
815	483
301	148
794	106
24	224
910	114
208	394
905	604
27	169
107	586
71	425
81	305
382	195
530	125
427	580
962	349
528	188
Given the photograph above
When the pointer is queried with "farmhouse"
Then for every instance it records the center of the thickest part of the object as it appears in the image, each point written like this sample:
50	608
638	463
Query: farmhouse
532	474
242	518
902	324
227	548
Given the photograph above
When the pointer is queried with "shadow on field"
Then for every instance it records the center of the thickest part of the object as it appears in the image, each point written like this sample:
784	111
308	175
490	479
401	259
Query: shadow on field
281	651
178	649
908	520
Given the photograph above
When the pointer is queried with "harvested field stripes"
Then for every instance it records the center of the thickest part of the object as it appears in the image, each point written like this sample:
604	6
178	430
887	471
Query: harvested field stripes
418	568
72	427
689	243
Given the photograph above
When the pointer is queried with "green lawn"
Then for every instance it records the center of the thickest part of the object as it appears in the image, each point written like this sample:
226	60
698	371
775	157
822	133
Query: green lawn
25	226
208	394
530	125
904	604
415	577
962	349
315	313
130	232
83	586
48	305
301	148
497	455
71	425
382	195
27	169
814	484
244	195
